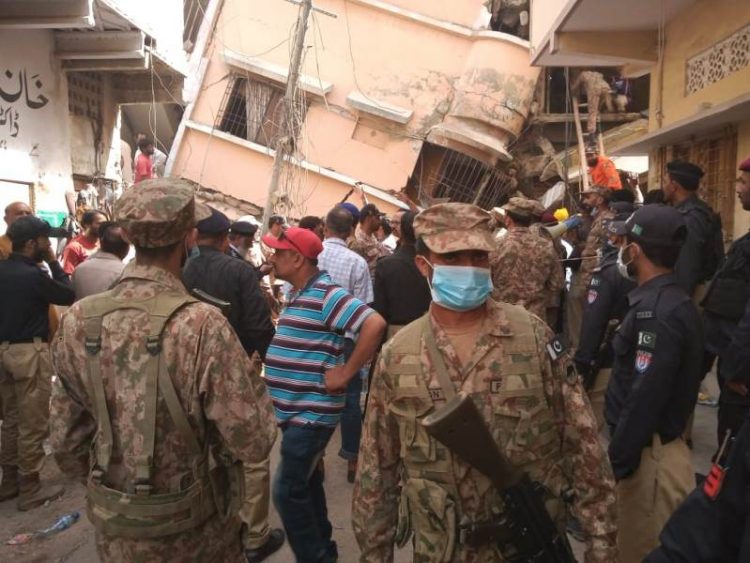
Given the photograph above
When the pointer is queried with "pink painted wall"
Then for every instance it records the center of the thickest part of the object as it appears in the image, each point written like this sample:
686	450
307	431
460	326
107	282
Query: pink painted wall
389	58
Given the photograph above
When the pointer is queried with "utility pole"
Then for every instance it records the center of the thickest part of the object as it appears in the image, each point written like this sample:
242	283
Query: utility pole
285	143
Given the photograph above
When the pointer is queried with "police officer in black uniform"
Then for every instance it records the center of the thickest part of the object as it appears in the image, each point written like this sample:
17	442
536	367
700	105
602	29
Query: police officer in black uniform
723	306
655	378
712	525
605	307
703	250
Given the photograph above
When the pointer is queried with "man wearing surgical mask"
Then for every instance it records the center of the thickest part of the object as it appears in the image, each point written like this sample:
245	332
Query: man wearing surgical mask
656	373
522	381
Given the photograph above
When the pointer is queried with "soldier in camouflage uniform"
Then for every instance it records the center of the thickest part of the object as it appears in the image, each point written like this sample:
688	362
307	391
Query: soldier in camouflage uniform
531	399
365	243
156	405
526	270
596	199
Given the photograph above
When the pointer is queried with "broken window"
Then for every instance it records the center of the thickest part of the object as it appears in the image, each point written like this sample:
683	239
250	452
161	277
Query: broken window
445	173
193	13
252	110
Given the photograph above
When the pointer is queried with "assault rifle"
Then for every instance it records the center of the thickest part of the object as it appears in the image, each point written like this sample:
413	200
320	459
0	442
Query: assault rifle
524	532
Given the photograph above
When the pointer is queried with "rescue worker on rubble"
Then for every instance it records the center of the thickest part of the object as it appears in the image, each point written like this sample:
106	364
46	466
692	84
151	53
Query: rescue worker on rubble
605	307
654	383
157	382
526	270
531	400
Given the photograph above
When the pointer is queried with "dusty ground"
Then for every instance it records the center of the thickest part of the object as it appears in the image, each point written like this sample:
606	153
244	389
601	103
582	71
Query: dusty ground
76	544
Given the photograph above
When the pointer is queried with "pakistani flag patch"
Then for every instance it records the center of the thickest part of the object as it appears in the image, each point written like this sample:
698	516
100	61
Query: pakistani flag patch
647	339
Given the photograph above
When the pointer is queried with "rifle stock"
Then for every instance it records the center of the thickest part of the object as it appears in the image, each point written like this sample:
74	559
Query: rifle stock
525	531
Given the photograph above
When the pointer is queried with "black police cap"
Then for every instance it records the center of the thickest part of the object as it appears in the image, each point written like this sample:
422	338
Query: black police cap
655	224
681	169
243	228
216	224
30	227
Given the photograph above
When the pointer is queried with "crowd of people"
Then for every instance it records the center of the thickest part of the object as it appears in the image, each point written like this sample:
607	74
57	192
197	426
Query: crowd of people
582	344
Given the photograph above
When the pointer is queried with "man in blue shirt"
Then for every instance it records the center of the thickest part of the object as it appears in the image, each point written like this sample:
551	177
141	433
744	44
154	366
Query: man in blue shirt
306	376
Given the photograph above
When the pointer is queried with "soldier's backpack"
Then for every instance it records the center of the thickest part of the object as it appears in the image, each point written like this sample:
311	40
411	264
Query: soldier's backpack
212	485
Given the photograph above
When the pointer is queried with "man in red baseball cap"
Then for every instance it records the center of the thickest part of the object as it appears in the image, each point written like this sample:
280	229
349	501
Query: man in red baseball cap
306	376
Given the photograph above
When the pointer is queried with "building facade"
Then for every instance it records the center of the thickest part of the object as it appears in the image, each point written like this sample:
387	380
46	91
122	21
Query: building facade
697	53
411	94
68	67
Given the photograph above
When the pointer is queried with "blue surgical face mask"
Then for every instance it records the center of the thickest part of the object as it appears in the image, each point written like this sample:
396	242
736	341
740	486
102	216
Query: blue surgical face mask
460	288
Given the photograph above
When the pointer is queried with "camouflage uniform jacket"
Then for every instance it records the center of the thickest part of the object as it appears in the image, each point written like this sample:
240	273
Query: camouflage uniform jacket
220	390
534	406
594	242
526	271
368	247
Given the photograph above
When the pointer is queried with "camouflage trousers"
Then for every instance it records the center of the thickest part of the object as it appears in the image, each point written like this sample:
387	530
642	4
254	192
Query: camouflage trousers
25	387
215	541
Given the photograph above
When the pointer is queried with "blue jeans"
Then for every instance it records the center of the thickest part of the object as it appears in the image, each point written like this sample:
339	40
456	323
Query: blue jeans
351	417
299	496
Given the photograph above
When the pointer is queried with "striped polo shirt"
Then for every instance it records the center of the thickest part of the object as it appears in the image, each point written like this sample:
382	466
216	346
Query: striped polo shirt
310	340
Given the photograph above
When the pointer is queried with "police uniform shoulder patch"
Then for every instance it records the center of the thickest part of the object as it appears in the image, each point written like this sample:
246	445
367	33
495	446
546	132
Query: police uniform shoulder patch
642	360
647	339
640	315
557	347
592	296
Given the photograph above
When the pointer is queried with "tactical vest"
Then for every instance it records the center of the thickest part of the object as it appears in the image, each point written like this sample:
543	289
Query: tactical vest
522	424
138	512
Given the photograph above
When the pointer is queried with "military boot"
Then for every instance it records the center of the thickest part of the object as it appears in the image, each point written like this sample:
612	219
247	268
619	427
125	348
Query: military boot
33	494
9	485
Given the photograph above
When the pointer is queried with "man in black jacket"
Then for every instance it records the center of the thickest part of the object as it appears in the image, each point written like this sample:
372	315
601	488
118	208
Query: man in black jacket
712	525
231	280
26	292
723	306
401	291
703	250
235	281
654	384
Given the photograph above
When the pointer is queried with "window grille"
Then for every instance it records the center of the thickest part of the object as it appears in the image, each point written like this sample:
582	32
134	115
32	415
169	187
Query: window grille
84	94
718	62
252	110
464	179
193	15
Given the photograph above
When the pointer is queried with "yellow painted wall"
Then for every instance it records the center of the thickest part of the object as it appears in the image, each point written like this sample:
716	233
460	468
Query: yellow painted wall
696	29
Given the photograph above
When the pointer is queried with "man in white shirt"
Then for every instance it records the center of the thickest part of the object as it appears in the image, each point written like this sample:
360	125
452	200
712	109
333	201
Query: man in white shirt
349	270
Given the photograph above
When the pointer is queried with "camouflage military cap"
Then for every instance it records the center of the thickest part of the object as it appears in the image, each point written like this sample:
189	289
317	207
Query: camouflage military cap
450	227
159	212
524	207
